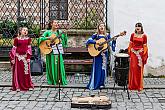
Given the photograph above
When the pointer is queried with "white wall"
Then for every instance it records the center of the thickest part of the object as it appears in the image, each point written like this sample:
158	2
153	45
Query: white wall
124	14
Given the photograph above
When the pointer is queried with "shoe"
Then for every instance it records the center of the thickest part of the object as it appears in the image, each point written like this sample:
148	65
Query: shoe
101	87
91	93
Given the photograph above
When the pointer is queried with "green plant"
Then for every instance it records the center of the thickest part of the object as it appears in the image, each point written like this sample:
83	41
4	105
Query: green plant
8	28
88	22
36	29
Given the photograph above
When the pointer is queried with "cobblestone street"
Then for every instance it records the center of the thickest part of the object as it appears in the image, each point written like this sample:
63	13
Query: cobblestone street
46	97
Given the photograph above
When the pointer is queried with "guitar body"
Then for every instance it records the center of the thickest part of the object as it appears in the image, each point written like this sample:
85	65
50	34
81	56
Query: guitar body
45	46
101	44
95	49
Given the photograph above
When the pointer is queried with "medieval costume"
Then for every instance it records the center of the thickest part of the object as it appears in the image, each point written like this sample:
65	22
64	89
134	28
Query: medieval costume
20	59
138	52
52	60
99	67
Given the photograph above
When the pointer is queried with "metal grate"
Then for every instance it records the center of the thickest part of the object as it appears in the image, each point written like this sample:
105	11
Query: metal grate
36	14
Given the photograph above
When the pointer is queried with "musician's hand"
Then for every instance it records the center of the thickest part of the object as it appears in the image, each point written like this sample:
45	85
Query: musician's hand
50	38
98	43
115	38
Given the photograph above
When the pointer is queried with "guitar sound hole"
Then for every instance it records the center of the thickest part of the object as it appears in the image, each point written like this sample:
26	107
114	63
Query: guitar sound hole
100	48
47	44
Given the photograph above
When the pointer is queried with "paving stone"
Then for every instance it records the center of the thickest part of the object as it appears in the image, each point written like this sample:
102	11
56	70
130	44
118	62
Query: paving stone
23	103
56	108
14	102
144	99
136	100
18	108
11	106
31	104
15	98
2	94
157	108
121	108
45	98
40	99
2	107
41	104
158	95
148	107
47	107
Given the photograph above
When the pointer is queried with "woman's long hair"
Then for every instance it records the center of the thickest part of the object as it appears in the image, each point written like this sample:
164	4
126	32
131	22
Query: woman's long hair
98	31
50	24
139	25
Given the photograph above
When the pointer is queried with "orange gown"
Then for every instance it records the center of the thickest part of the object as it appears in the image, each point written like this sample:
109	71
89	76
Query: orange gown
138	52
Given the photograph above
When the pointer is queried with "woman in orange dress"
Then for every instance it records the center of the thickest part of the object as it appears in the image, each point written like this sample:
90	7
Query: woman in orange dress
138	52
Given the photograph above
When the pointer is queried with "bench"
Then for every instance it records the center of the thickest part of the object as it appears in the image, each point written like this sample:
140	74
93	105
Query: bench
76	59
79	62
84	58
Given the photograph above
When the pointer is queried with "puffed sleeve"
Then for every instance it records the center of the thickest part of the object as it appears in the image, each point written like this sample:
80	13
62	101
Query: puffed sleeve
64	38
15	42
12	52
130	43
43	37
29	41
29	50
112	43
131	39
91	40
144	39
145	48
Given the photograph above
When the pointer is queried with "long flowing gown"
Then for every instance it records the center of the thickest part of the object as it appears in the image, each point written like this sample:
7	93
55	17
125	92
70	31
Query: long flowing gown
99	67
138	52
52	60
20	54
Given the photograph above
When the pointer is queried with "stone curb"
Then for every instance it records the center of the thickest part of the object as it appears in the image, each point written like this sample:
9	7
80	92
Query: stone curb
83	86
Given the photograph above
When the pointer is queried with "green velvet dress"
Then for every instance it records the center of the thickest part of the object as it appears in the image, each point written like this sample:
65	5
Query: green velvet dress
52	61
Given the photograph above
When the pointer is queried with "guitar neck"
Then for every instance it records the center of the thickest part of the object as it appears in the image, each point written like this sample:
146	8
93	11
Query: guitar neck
109	39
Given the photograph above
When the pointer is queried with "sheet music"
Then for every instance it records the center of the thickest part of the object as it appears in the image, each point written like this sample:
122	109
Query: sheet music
55	51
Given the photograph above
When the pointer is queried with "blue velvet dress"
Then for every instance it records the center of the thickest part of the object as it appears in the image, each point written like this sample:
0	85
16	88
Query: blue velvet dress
99	67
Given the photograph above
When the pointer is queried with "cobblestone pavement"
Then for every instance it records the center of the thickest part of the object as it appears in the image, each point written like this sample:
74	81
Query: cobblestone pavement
78	80
45	97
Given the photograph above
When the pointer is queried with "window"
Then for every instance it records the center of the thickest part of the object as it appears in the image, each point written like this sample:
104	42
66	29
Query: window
58	9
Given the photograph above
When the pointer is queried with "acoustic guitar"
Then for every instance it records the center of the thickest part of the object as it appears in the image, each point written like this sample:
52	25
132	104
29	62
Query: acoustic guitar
101	44
45	46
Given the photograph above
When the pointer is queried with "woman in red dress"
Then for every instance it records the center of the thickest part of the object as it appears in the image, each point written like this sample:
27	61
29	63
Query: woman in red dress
20	60
138	52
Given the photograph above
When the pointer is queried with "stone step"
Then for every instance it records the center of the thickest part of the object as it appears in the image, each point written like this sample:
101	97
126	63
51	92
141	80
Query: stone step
5	64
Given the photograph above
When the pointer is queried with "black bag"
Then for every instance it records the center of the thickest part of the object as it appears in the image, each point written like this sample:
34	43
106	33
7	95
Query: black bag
36	65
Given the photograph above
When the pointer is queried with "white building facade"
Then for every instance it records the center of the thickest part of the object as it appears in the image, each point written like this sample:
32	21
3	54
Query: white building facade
124	14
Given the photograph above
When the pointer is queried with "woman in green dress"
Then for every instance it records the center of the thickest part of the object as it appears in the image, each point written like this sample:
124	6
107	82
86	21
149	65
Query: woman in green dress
52	59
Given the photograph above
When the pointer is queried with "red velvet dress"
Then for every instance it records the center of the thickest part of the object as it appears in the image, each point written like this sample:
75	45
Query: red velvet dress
20	55
138	57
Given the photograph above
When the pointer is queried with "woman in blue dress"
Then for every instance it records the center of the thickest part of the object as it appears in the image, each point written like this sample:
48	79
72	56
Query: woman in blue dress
99	67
